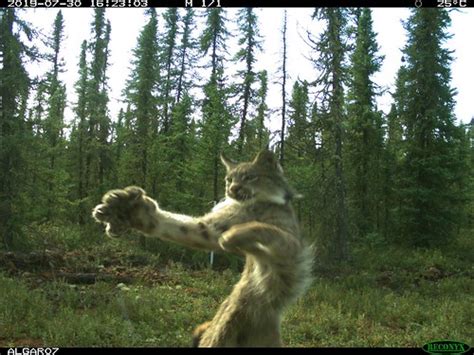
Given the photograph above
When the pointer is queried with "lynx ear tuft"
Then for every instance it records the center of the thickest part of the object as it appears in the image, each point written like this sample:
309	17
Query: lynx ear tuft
228	163
134	192
268	159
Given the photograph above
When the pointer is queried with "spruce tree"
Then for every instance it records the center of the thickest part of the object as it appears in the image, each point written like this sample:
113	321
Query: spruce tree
97	157
77	145
283	77
117	146
391	159
186	52
470	177
299	161
172	147
180	180
35	147
142	114
298	123
15	39
167	57
331	49
126	147
250	45
45	142
263	134
216	120
54	125
429	202
213	40
364	145
91	166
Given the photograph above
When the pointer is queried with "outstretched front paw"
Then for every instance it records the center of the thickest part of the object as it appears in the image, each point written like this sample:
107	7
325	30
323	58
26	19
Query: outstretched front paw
122	210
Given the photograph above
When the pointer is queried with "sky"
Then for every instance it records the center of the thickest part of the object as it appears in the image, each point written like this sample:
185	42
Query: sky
391	37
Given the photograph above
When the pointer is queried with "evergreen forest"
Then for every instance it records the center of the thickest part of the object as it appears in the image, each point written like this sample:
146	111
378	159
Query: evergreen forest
387	198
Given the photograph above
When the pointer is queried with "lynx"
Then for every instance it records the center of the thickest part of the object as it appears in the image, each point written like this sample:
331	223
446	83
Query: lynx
255	220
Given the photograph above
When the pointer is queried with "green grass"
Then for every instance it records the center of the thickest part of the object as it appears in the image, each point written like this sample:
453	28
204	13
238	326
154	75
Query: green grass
387	297
106	315
336	314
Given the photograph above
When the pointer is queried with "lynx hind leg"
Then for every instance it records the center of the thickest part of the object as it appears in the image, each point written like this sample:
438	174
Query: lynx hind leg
123	209
198	332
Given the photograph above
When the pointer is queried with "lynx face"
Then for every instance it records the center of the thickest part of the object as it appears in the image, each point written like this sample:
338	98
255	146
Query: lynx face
261	180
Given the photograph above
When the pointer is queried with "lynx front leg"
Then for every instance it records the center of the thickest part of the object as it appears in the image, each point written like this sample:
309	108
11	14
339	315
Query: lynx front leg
260	239
131	208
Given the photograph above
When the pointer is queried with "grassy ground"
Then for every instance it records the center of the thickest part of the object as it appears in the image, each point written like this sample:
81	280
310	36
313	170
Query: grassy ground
385	297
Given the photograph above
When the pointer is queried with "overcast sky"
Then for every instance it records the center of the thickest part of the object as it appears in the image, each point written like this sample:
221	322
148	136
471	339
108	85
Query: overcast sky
127	24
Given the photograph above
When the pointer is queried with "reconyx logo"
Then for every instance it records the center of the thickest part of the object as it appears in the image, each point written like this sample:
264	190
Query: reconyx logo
446	347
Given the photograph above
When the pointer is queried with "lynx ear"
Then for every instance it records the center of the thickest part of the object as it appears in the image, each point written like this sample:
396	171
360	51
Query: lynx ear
229	164
268	159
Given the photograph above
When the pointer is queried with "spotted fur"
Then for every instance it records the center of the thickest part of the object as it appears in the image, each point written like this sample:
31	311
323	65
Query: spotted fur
255	220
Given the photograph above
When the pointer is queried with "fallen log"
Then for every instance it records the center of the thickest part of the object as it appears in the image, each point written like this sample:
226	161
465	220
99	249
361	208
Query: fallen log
33	260
91	278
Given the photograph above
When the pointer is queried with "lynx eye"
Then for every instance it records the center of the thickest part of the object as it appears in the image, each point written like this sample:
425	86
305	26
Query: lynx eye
249	178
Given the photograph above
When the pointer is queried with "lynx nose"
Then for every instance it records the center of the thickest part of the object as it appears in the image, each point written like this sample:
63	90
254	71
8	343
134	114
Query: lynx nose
234	188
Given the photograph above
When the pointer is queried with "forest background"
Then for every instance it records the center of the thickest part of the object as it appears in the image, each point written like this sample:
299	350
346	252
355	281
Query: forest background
388	194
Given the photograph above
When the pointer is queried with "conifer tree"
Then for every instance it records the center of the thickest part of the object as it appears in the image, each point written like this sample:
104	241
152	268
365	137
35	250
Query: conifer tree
331	62
172	148
470	178
117	146
14	89
263	135
213	40
283	78
180	180
53	124
35	148
78	147
127	146
298	125
429	202
168	57
217	120
257	135
300	163
391	161
142	114
251	44
97	160
186	52
91	166
364	145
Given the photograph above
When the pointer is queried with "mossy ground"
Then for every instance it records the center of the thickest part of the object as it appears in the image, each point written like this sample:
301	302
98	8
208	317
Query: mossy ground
384	297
